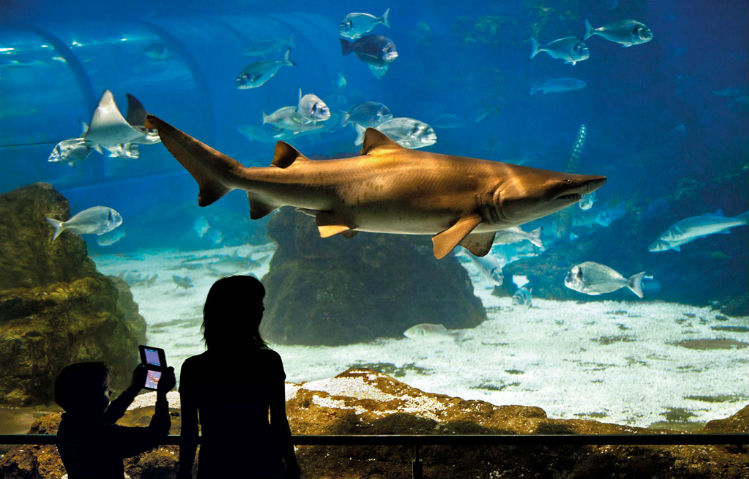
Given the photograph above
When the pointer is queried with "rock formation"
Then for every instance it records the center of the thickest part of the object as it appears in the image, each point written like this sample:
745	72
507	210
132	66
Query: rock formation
55	308
335	291
361	401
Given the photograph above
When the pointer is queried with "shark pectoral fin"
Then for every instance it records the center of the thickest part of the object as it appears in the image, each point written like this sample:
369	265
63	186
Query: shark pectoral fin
445	241
328	225
478	244
209	167
286	155
259	208
375	141
349	234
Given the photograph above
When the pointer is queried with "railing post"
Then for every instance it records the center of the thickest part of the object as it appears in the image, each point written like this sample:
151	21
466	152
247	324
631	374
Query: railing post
417	467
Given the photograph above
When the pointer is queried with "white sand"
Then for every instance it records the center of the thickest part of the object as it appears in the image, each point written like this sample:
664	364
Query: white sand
610	361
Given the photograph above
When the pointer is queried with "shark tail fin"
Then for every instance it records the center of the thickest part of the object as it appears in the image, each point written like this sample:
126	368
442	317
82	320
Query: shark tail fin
385	19
57	225
635	284
534	47
588	30
210	168
535	238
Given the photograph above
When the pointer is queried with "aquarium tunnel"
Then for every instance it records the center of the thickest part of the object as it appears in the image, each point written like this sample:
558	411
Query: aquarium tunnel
554	303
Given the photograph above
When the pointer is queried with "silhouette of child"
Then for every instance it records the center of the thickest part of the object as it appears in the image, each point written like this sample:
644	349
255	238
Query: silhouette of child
232	387
91	445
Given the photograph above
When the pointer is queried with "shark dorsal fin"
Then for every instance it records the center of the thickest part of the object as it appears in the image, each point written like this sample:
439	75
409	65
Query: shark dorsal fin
286	155
375	140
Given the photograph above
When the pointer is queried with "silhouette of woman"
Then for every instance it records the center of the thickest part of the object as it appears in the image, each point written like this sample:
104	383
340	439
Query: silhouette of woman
231	387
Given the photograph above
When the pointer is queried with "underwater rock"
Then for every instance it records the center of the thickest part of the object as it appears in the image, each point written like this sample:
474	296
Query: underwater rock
332	291
363	401
55	308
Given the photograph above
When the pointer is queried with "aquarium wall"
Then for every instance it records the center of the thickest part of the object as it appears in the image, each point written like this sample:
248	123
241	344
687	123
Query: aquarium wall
629	306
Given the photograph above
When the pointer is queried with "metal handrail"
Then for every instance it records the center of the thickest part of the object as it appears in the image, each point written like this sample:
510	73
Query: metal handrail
686	439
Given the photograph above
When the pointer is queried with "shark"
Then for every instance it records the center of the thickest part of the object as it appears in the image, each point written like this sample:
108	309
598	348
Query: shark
387	189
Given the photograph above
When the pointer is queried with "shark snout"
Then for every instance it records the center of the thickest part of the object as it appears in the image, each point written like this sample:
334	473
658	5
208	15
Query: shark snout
577	185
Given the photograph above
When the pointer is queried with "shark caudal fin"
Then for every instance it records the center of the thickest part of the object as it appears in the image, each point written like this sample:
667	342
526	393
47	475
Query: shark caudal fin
210	168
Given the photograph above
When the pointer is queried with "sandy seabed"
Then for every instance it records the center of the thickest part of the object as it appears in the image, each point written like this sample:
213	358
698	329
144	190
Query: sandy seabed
638	363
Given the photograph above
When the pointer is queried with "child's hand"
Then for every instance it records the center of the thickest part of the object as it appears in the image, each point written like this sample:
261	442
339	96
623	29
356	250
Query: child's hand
139	377
167	381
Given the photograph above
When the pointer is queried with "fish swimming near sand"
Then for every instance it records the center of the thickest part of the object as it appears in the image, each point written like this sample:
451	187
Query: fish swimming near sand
183	282
95	220
595	278
523	296
388	189
432	332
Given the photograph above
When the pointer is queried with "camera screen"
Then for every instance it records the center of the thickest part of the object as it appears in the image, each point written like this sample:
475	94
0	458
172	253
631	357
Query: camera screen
152	357
152	379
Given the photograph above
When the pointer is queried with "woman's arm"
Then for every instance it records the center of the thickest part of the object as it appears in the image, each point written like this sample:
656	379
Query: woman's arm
188	439
279	424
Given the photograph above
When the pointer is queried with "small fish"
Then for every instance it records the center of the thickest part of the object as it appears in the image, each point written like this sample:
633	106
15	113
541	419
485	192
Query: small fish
182	281
587	201
287	118
95	220
595	278
515	234
200	226
523	297
432	332
569	49
448	121
624	32
489	267
407	132
71	151
375	50
354	25
602	219
108	239
694	227
256	74
368	114
265	47
215	236
311	108
556	85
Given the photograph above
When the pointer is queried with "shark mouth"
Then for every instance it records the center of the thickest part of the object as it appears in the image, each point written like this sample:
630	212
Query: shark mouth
570	197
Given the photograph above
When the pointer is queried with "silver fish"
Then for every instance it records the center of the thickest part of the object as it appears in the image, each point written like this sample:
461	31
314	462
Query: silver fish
556	85
287	118
256	74
95	220
595	278
108	239
354	25
489	267
407	132
432	332
311	108
694	227
71	151
375	50
182	281
515	234
569	49
624	32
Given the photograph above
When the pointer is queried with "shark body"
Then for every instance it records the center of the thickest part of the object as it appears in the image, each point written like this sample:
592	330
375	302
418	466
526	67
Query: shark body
387	189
